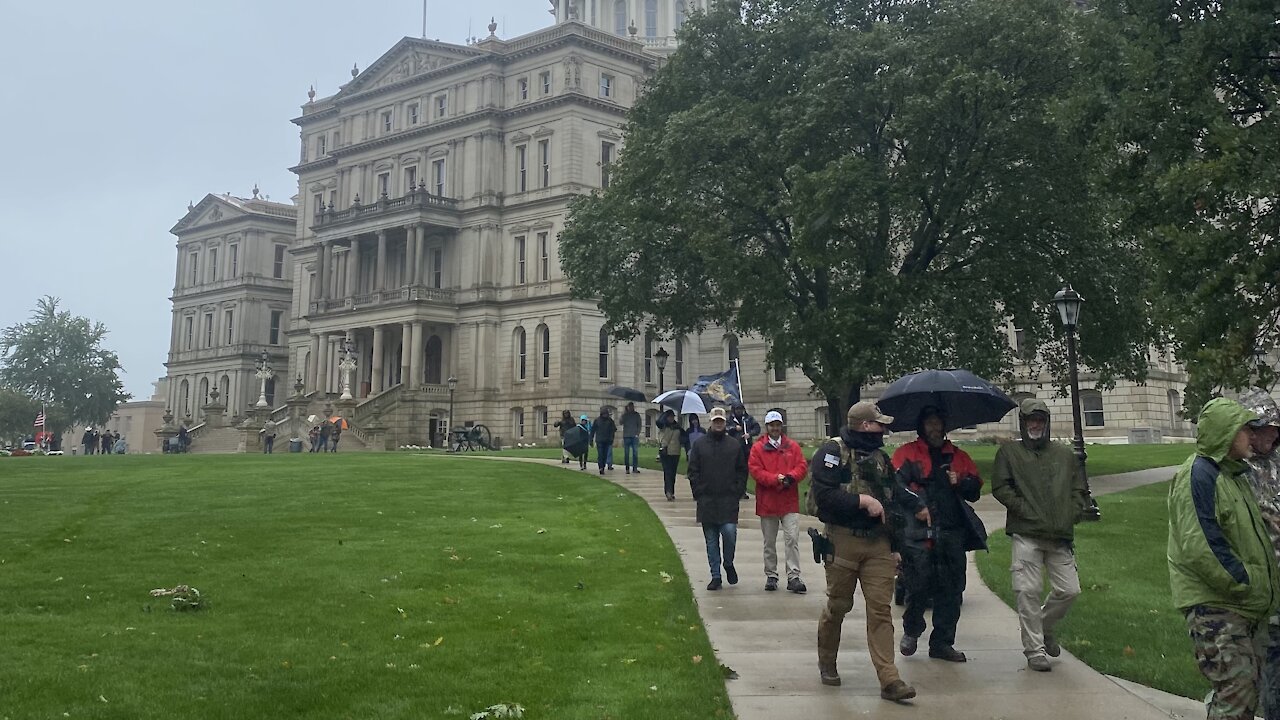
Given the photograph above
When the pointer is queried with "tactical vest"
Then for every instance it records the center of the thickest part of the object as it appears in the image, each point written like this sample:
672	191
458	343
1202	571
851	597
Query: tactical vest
871	477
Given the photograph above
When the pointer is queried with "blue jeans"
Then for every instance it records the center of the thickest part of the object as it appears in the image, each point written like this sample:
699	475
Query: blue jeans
631	452
713	534
604	454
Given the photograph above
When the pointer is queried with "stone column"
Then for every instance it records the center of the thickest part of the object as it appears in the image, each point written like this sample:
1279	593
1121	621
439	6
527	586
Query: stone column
322	270
380	272
406	344
418	273
416	358
353	266
376	384
313	372
322	364
410	255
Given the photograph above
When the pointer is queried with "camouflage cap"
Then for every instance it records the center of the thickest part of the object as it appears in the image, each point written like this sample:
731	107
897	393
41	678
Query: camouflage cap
1260	402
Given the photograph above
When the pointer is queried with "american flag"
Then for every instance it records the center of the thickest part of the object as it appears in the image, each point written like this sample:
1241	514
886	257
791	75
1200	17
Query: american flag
40	419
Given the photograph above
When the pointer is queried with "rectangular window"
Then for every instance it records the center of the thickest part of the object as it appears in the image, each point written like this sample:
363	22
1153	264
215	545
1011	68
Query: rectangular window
606	85
522	169
1020	343
386	121
318	201
234	250
517	421
779	373
213	263
442	105
545	80
437	268
604	354
522	88
410	179
520	273
229	322
193	261
277	317
437	177
335	140
208	330
544	422
606	163
679	362
544	161
277	264
544	259
413	113
544	343
322	145
189	331
333	200
384	183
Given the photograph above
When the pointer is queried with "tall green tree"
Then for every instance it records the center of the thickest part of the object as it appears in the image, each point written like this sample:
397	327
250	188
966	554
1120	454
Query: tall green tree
57	359
17	415
1193	139
874	187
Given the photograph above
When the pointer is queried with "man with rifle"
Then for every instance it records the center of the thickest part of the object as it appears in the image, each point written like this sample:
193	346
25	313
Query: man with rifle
852	493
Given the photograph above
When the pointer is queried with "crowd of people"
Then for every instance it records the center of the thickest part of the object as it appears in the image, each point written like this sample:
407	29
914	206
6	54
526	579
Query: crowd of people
105	442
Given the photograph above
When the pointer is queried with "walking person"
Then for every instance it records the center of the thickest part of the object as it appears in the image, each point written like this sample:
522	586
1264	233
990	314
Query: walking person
106	442
268	437
852	489
743	428
778	466
717	477
584	425
671	439
336	434
602	433
313	435
631	424
935	479
564	425
1040	484
326	429
88	441
1264	478
1222	566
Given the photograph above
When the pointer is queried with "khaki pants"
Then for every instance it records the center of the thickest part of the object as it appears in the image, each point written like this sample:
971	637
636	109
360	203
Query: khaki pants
870	561
790	524
1038	615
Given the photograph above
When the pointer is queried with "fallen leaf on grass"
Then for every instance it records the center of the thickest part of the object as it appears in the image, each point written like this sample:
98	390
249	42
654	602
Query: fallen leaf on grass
1129	651
628	661
697	659
438	640
666	577
542	531
653	688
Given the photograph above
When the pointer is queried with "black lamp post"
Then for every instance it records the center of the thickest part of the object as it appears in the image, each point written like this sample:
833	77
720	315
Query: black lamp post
661	358
1068	302
452	382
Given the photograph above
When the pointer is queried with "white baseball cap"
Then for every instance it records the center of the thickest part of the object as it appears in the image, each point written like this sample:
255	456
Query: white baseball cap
773	416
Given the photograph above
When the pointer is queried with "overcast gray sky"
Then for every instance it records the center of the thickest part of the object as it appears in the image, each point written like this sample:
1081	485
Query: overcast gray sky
113	116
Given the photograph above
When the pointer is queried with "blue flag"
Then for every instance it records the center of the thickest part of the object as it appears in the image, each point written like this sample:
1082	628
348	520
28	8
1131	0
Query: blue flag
722	387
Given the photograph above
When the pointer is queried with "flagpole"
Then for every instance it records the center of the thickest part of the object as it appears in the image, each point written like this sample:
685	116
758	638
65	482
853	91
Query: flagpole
737	365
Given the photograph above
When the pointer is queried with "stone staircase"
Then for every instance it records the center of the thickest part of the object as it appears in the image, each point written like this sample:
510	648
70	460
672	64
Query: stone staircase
217	441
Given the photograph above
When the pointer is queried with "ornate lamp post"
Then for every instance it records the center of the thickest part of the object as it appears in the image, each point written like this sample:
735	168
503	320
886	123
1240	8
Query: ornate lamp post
661	358
347	364
1069	302
452	382
263	374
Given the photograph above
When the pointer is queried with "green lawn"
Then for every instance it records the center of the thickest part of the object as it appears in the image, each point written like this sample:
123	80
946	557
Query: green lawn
1123	623
340	586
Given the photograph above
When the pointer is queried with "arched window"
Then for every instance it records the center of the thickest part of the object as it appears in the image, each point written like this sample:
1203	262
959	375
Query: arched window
1091	406
620	17
679	14
651	18
184	400
271	392
648	358
1175	406
679	361
544	348
224	389
604	353
204	391
435	361
731	348
521	357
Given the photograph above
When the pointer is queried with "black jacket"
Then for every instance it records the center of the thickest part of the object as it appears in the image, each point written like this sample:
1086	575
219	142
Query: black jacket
717	477
838	505
603	430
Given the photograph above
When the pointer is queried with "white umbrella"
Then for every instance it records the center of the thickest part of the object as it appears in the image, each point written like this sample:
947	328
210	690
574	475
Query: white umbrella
683	402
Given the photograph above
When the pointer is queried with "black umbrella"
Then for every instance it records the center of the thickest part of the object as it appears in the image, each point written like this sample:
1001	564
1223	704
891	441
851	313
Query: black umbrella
627	393
963	397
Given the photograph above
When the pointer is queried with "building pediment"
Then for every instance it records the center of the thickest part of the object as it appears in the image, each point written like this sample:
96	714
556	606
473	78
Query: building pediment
223	208
408	58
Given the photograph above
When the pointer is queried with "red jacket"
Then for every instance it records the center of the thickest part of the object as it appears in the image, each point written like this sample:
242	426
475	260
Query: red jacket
765	464
962	465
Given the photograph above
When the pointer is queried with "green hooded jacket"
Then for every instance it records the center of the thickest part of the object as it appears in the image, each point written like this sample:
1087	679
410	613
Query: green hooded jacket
1219	552
1039	482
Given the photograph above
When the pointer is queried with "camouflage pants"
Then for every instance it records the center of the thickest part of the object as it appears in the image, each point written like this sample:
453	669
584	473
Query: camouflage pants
1269	688
1229	651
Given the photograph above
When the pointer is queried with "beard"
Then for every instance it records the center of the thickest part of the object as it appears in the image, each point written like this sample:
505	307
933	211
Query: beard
1035	434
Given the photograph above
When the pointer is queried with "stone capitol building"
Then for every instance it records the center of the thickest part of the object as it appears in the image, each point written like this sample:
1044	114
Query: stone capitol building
423	245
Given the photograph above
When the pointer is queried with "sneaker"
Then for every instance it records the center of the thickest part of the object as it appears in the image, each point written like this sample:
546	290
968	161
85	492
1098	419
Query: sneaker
1051	646
1039	663
635	470
601	471
564	462
948	653
628	471
745	496
610	468
907	646
771	584
897	691
731	574
671	498
715	584
829	675
794	585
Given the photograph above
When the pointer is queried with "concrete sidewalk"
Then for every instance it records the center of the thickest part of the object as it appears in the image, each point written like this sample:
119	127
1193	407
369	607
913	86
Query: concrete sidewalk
770	638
